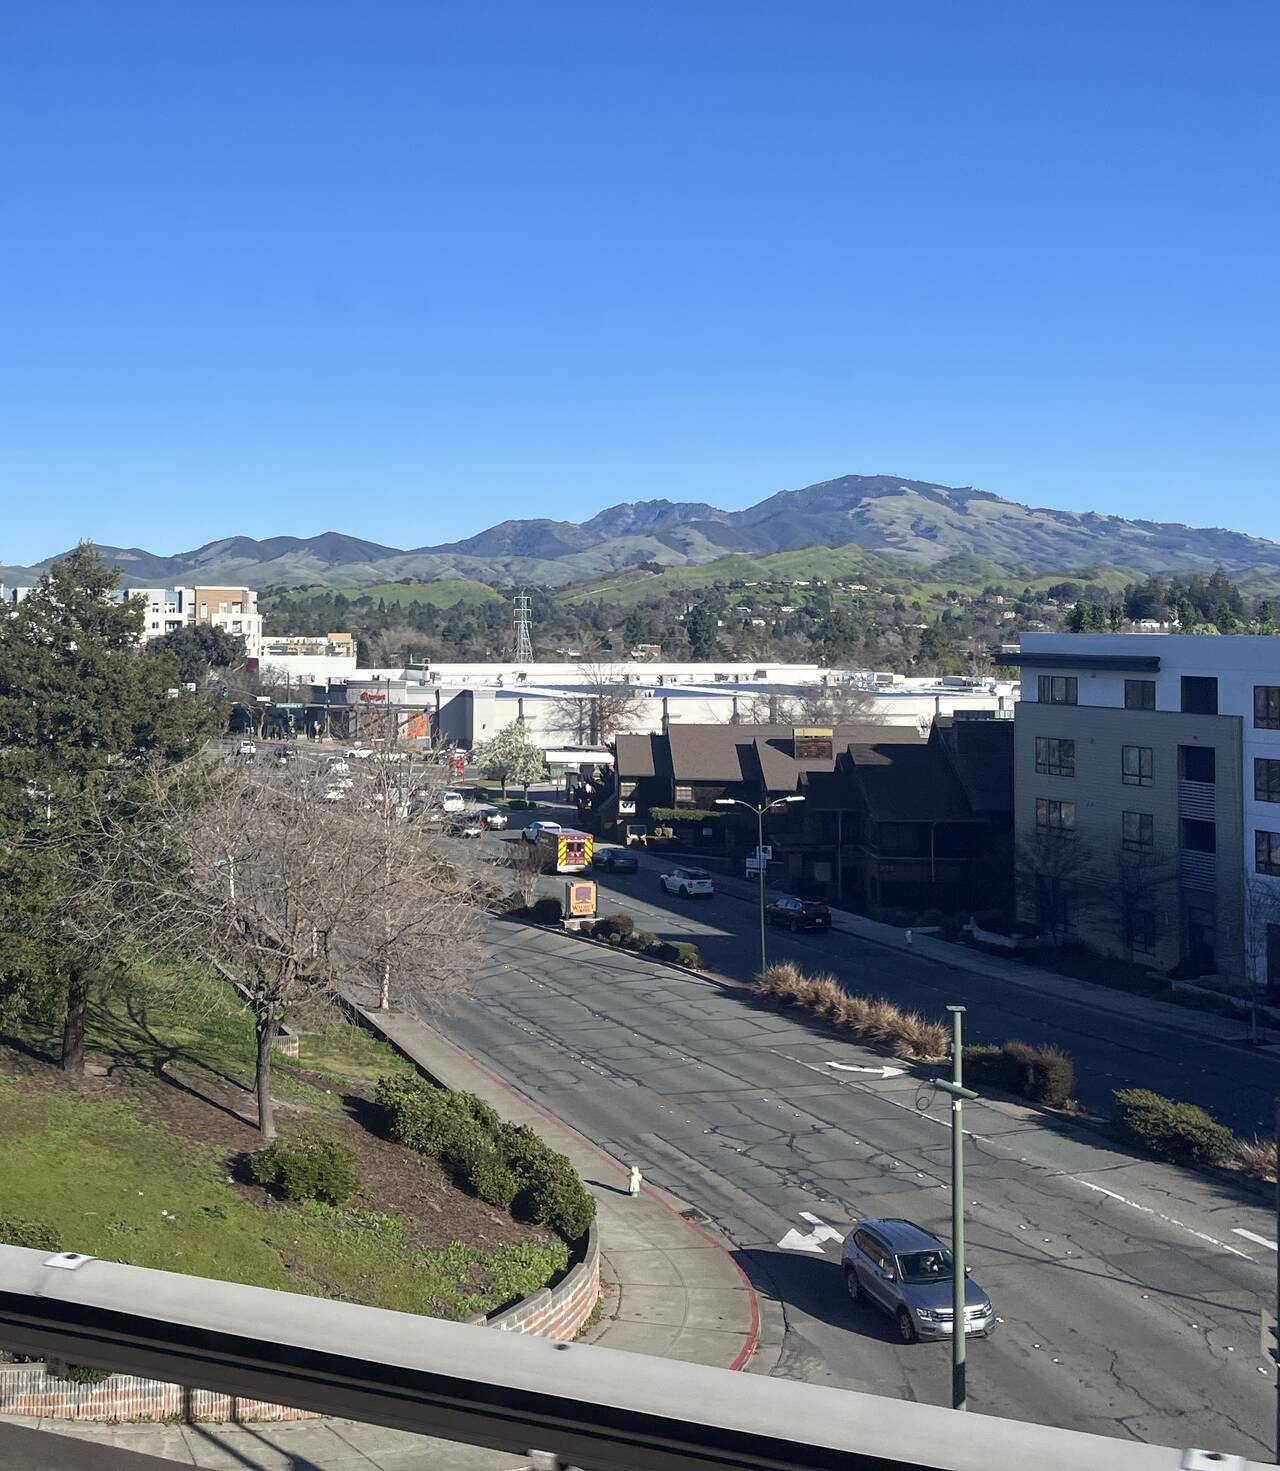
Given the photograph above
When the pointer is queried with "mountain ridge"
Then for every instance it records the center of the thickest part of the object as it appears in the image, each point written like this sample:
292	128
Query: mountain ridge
918	521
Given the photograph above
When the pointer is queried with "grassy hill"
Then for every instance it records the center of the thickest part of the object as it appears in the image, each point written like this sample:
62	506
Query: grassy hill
447	593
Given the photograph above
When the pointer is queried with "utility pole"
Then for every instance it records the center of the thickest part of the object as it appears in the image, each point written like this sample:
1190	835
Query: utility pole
958	1093
524	637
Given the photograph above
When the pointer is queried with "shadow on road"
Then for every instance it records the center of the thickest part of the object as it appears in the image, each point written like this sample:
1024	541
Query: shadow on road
813	1285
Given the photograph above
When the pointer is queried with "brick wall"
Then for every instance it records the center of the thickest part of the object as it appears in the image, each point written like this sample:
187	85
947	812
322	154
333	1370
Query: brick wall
26	1389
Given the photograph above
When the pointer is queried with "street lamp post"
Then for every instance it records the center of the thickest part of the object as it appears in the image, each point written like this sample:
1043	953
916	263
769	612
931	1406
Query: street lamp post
958	1093
759	812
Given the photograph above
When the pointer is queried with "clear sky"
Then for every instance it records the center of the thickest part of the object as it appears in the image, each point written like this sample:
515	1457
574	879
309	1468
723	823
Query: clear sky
407	269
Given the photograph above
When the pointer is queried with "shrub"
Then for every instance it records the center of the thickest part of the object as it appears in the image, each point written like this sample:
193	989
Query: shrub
1180	1133
308	1167
613	938
555	1196
687	954
38	1235
1047	1074
1257	1157
516	1271
83	1374
623	923
547	910
492	1180
643	940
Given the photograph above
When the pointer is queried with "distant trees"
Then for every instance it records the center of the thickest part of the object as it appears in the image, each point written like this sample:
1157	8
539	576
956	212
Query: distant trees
200	650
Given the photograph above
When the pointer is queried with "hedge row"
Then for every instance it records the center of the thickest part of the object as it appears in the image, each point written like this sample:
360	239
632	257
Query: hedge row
506	1165
1045	1075
620	930
1180	1133
870	1018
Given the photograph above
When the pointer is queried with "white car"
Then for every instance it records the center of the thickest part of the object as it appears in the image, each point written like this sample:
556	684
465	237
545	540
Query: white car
689	883
246	748
336	766
453	801
334	794
357	754
535	830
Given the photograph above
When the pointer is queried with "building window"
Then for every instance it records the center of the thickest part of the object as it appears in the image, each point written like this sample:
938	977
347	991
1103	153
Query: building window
1136	766
1266	853
1139	830
1055	757
1266	779
1057	689
1199	763
1139	694
1053	816
1199	836
684	793
1266	706
1199	694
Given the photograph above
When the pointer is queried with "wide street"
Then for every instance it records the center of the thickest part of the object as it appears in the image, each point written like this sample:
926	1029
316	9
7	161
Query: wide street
1128	1292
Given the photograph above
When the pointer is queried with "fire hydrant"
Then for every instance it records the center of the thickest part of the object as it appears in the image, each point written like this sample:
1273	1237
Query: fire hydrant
636	1179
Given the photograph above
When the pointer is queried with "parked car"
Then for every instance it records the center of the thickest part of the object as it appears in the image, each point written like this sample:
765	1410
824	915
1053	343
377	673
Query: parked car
467	827
688	882
453	801
334	794
246	748
494	817
358	753
535	830
798	914
614	860
906	1271
337	766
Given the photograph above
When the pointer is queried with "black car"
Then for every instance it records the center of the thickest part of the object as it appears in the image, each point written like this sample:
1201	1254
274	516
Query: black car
614	860
799	914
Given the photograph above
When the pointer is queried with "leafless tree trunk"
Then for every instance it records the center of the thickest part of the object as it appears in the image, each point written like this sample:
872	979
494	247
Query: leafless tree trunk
73	1027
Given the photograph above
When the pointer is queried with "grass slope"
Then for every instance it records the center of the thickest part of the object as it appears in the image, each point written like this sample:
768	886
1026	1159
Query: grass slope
119	1182
447	593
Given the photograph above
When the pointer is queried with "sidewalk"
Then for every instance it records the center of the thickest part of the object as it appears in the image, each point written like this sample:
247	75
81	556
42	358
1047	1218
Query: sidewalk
670	1289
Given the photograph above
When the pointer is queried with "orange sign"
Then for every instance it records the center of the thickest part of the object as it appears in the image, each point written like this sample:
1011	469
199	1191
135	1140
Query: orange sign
580	898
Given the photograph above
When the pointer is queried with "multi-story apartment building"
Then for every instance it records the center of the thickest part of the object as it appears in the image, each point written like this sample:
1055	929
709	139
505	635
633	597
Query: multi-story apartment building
165	609
1147	798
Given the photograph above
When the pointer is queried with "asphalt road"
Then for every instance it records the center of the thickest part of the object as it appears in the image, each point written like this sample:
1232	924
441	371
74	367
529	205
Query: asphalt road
1237	1084
1129	1300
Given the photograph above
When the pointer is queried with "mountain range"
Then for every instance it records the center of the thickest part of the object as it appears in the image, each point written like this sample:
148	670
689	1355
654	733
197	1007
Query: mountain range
911	520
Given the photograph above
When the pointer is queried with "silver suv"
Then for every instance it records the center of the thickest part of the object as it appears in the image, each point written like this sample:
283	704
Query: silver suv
906	1270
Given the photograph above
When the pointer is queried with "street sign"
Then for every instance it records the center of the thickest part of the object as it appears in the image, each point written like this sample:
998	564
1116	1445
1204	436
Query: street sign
580	898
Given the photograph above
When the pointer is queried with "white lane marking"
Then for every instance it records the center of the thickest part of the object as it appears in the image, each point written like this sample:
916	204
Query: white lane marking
796	1241
1253	1236
1160	1215
821	1231
793	1241
879	1072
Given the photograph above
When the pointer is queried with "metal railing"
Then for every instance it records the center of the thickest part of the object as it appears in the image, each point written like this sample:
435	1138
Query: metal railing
565	1404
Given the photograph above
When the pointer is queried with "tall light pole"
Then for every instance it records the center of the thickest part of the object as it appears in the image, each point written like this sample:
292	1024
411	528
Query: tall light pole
958	1093
759	812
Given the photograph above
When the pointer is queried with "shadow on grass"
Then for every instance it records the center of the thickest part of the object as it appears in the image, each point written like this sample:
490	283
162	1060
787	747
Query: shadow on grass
133	1044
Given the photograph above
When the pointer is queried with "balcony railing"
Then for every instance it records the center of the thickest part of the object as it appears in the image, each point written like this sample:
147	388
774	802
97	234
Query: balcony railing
1198	799
1198	871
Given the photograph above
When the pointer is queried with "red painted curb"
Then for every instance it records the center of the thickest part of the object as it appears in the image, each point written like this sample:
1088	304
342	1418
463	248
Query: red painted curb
753	1335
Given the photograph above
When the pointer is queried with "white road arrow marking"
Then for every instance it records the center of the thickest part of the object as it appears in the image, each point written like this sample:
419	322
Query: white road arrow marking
1253	1236
879	1072
793	1241
796	1241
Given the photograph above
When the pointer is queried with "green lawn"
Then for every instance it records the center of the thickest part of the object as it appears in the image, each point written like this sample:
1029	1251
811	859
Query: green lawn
104	1173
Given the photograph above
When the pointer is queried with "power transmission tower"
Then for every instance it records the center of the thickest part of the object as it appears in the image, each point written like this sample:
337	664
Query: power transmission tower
524	639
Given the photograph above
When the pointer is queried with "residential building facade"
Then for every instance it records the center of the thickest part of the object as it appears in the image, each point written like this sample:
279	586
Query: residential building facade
1147	799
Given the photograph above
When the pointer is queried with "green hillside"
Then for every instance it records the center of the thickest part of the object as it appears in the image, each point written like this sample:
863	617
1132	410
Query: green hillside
446	593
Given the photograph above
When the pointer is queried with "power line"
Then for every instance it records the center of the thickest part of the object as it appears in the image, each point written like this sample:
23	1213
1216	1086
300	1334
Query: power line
524	638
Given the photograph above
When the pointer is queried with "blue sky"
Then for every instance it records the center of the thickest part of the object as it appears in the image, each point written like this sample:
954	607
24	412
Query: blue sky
407	269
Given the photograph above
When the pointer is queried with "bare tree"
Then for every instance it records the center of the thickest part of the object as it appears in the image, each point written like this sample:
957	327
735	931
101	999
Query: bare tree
526	862
1261	911
836	704
1130	896
296	897
610	707
1055	879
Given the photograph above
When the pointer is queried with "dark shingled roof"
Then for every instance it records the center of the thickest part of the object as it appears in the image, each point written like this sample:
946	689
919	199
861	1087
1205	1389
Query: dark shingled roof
635	755
902	783
749	753
981	755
